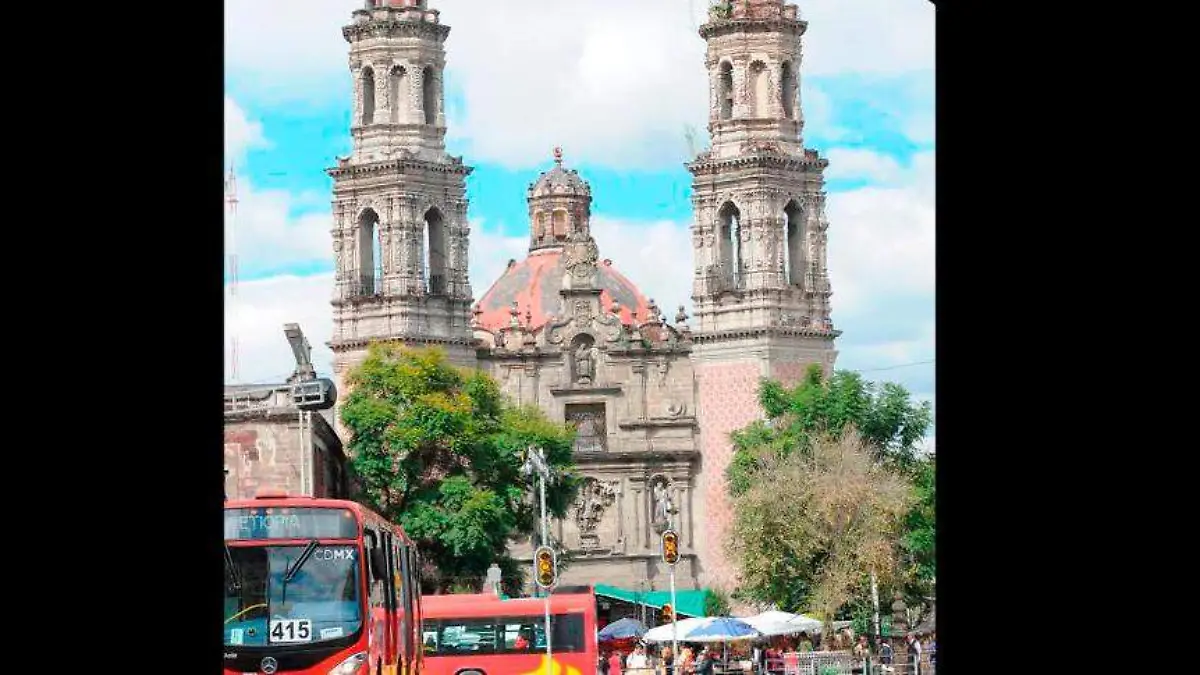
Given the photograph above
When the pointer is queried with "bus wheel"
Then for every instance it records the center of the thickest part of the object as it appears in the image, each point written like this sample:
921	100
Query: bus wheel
470	672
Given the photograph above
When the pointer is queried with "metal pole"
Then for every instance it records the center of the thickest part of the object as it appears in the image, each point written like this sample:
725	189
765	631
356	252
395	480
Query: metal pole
545	542
674	624
674	604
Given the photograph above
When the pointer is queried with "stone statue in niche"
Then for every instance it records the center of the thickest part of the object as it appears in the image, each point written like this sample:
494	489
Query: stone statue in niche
594	497
586	355
663	509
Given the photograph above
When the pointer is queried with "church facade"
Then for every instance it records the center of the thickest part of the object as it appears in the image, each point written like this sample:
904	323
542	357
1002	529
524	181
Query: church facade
653	397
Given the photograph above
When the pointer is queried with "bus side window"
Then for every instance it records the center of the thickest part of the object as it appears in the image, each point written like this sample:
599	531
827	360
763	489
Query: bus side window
405	591
429	637
375	588
389	575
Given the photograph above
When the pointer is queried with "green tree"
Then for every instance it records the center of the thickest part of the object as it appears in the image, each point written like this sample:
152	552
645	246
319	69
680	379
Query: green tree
891	425
716	602
919	550
813	525
890	422
439	450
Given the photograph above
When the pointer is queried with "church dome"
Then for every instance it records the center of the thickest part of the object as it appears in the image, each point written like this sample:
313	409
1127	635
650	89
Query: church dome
534	284
559	181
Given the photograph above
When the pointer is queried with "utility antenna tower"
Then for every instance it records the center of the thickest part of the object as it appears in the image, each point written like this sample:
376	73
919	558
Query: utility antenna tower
231	202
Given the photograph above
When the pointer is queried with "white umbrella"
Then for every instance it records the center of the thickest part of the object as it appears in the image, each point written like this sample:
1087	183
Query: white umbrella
783	623
705	629
663	633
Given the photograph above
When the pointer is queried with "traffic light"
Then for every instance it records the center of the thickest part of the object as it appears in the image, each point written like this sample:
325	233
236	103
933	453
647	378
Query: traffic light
545	567
667	615
670	547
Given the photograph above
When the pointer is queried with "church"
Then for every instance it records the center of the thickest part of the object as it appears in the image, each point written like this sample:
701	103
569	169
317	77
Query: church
653	393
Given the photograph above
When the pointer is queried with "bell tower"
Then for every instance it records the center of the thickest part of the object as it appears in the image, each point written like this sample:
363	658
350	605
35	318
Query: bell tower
400	232
760	286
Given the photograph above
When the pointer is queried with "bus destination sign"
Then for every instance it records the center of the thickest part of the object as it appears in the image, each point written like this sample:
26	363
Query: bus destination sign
289	523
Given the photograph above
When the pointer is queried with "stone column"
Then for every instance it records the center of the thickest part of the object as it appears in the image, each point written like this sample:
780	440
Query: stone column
382	88
899	632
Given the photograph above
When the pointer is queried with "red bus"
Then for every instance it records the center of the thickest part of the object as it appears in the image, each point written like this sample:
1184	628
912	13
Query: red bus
482	634
318	586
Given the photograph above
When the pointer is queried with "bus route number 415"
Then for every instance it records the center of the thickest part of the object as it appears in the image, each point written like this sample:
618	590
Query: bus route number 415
291	630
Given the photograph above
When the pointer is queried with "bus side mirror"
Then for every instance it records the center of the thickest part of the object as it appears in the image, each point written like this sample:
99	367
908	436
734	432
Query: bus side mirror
378	565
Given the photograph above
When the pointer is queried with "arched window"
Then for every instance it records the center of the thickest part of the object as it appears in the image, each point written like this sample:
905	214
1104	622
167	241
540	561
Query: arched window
398	94
760	90
730	244
435	253
787	83
794	257
429	95
725	90
559	220
370	264
368	96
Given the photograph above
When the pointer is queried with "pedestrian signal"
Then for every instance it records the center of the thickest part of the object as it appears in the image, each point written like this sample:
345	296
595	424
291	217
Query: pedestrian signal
545	567
668	614
670	547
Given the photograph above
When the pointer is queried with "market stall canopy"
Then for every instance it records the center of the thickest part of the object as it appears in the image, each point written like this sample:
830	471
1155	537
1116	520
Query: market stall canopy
706	629
622	629
663	633
783	623
688	603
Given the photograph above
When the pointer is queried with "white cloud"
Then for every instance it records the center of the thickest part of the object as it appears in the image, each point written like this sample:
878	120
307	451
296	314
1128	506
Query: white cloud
613	82
882	237
859	164
270	236
241	133
257	318
490	252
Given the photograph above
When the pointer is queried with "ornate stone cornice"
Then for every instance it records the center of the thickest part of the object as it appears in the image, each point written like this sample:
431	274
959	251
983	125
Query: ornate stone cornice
702	167
721	27
349	169
602	388
359	343
392	28
659	423
763	331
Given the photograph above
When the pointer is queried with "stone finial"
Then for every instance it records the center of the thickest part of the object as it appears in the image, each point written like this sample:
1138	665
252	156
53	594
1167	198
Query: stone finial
615	307
476	312
528	317
558	156
681	316
652	310
514	313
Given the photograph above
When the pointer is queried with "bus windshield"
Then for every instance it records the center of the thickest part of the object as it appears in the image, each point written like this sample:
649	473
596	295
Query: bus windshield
270	599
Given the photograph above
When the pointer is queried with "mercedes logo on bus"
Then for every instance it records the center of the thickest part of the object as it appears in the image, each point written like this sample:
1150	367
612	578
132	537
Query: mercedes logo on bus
269	665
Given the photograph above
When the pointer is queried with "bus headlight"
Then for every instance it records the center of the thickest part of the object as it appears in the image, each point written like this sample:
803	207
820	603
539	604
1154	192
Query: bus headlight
351	665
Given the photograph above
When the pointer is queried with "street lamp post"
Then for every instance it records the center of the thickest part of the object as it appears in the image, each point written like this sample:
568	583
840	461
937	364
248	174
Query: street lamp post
535	462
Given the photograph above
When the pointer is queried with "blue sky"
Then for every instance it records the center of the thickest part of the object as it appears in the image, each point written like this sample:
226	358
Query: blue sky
561	76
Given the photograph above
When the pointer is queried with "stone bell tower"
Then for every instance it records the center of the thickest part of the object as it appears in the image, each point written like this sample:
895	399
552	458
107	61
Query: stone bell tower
760	286
400	229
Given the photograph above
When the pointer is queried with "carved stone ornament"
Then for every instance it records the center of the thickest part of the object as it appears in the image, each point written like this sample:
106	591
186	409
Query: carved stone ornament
595	496
580	255
583	310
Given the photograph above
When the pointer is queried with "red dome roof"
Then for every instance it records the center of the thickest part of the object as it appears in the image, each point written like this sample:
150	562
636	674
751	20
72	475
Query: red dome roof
534	284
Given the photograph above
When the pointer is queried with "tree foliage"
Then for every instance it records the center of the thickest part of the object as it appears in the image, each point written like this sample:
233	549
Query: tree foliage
890	422
812	525
439	450
716	602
